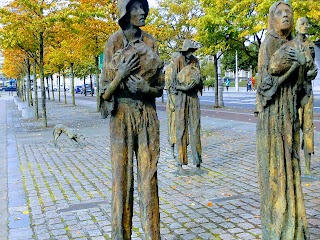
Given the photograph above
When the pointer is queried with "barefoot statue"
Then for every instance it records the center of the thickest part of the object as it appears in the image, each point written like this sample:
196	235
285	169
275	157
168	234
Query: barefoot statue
131	80
282	69
306	110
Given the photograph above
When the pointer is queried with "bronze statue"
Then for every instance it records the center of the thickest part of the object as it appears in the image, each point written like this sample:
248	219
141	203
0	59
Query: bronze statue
131	80
282	68
306	110
70	132
187	82
170	107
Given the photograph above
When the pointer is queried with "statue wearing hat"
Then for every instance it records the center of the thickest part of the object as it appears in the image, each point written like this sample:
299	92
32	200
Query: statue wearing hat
131	80
187	83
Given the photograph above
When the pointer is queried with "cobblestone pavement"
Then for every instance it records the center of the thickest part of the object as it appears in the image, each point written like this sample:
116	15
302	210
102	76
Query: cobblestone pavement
65	193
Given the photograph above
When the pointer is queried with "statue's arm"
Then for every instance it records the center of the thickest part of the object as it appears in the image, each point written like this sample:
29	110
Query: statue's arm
312	72
124	70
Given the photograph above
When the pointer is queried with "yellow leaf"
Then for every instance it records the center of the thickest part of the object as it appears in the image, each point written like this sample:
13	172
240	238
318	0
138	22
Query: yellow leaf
209	204
174	187
308	184
26	212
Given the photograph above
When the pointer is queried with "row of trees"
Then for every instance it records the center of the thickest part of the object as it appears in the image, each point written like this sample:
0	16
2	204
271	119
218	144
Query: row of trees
43	37
54	37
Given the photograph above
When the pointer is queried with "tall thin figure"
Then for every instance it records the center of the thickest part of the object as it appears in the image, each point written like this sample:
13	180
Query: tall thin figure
282	67
187	83
131	80
306	110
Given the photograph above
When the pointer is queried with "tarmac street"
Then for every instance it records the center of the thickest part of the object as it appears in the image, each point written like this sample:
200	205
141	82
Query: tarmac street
65	192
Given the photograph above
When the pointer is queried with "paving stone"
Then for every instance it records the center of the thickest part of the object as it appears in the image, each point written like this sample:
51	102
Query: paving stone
197	230
57	232
175	225
226	237
98	238
62	237
56	226
94	233
245	226
245	236
189	236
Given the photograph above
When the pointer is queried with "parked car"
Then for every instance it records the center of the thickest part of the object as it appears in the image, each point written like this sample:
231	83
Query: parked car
77	89
9	88
87	88
61	88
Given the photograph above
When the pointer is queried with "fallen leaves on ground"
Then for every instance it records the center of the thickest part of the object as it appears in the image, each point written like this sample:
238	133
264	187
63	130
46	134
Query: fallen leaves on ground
26	212
209	204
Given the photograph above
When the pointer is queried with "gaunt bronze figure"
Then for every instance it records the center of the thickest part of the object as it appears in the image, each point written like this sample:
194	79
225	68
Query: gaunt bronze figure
131	80
306	110
187	83
170	108
282	70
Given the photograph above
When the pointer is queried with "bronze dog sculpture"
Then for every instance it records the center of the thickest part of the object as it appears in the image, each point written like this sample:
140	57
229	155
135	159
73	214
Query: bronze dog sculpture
61	128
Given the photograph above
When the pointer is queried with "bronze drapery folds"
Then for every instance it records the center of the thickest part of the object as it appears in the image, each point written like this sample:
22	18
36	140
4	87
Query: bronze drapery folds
282	70
306	110
187	82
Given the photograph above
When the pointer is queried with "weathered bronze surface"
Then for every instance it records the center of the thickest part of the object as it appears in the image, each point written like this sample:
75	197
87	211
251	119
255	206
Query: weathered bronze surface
70	132
306	110
131	80
187	82
282	69
170	108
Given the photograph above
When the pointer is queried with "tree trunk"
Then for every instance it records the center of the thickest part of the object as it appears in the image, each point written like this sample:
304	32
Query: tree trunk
35	89
59	82
84	85
72	85
216	86
48	89
52	87
43	92
19	89
22	92
29	93
91	86
97	84
64	88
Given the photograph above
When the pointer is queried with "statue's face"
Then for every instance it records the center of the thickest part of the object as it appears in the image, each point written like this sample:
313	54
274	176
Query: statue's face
137	14
303	26
283	17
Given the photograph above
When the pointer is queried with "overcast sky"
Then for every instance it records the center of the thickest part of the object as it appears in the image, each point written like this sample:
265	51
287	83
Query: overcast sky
152	3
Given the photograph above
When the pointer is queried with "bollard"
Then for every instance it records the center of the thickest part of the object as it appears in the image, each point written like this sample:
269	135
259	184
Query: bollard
28	113
22	105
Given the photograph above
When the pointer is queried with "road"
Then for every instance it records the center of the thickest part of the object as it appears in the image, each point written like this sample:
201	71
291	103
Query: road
238	106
